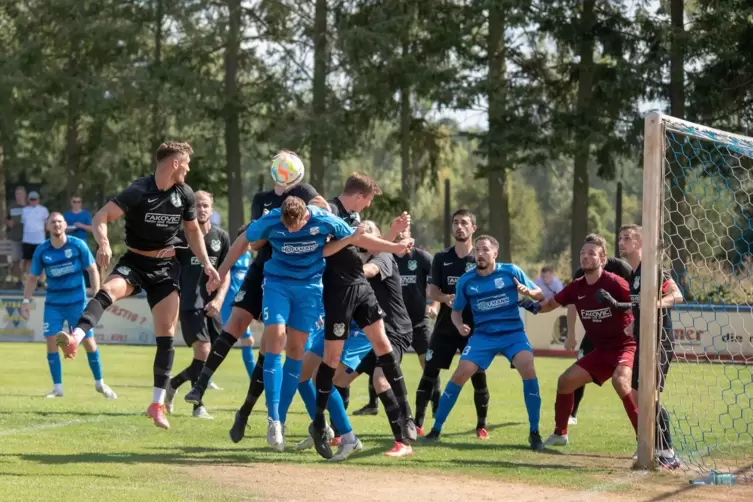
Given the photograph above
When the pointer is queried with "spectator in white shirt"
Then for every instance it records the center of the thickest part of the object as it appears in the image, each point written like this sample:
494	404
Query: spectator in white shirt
548	283
34	218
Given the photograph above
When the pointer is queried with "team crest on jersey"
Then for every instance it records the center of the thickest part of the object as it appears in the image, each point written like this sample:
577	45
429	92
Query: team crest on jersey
469	266
175	199
412	265
68	253
123	271
239	297
314	230
215	245
499	283
338	329
637	282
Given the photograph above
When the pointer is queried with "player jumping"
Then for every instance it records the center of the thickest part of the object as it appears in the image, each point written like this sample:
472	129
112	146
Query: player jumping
64	259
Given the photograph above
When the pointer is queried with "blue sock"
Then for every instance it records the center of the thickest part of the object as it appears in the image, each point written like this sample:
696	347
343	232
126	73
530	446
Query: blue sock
291	373
337	413
446	403
273	384
532	397
307	390
248	359
56	370
94	364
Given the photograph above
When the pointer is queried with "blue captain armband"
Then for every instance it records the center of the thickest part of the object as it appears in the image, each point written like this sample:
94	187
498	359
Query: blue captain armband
530	305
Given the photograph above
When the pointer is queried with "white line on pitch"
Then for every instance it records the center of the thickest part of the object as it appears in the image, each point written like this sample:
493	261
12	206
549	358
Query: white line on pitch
53	425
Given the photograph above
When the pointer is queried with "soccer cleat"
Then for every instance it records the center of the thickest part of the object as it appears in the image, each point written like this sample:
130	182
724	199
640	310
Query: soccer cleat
238	430
572	421
156	412
410	431
202	412
54	393
309	441
556	440
274	434
67	343
321	440
194	396
668	462
482	433
399	450
170	397
432	436
367	410
534	439
213	386
346	449
106	391
420	432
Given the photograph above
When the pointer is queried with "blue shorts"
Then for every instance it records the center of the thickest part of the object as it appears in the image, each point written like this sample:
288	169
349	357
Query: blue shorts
355	349
482	348
296	304
55	316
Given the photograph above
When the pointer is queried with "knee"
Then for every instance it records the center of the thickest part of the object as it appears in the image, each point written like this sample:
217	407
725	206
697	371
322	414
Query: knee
164	328
201	350
621	383
238	322
564	384
465	371
430	372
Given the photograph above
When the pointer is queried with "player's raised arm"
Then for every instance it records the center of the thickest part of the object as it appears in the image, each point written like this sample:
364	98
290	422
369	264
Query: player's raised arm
671	294
110	212
399	225
378	267
336	245
525	285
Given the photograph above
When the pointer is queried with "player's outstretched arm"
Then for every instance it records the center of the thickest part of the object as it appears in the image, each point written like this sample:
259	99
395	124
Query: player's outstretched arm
110	212
376	245
195	239
399	224
457	320
336	245
549	305
236	251
320	202
603	296
673	295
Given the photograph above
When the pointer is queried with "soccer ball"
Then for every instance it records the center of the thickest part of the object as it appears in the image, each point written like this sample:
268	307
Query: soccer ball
287	169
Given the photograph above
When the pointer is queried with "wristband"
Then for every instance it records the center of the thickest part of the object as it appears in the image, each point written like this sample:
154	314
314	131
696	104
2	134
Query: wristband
26	300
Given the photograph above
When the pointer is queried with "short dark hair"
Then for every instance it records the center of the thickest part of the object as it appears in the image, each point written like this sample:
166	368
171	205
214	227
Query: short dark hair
597	240
546	269
494	242
633	228
465	213
166	150
361	183
293	211
241	230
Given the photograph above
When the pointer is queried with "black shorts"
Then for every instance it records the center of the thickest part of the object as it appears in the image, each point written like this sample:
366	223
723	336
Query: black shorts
27	250
666	354
249	295
399	348
196	326
158	277
421	335
343	304
442	349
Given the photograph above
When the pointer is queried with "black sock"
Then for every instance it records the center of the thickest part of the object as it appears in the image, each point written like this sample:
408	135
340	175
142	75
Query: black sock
94	310
217	354
163	361
372	394
424	393
255	387
663	434
194	377
578	394
393	373
191	372
323	388
436	395
392	409
480	398
345	394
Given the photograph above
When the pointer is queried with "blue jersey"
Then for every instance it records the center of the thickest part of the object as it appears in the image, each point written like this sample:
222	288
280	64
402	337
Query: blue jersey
493	298
64	267
237	274
72	218
298	255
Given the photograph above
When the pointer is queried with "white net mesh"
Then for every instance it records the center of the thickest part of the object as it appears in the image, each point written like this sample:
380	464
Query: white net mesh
707	236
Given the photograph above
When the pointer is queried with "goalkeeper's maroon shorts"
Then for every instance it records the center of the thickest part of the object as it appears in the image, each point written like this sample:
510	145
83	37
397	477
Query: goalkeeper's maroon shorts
601	363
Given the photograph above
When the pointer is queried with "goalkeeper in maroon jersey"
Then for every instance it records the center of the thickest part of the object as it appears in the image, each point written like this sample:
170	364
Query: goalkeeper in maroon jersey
603	303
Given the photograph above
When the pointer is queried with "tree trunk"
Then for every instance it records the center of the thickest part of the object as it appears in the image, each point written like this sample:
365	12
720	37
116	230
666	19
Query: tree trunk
678	207
584	113
157	122
319	96
232	127
3	195
71	129
406	113
499	200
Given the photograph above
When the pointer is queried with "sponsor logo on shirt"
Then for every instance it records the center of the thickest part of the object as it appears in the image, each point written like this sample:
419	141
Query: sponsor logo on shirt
299	247
60	270
596	315
212	260
452	280
407	279
162	220
493	302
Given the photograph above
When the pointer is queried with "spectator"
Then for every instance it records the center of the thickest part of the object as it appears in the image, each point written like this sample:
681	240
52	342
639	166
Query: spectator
548	283
79	222
16	233
34	219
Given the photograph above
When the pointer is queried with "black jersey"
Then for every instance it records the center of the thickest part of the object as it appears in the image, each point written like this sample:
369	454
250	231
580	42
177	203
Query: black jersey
387	289
193	280
153	216
264	202
666	335
614	265
345	267
415	268
446	268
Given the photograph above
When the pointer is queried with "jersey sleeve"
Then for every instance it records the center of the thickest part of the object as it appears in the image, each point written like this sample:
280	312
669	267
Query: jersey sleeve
522	278
425	261
338	228
189	211
260	228
304	191
567	295
129	198
384	262
621	289
36	262
461	301
435	274
625	270
87	259
225	249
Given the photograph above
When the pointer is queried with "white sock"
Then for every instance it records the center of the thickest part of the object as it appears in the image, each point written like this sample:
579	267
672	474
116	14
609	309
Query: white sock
78	334
158	395
58	387
349	437
98	383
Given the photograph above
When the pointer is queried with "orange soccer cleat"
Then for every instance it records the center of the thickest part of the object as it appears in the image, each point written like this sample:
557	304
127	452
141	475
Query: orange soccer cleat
482	434
420	432
158	413
67	343
399	450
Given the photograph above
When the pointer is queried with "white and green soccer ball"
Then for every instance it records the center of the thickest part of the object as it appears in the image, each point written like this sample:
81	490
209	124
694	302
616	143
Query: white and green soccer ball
287	169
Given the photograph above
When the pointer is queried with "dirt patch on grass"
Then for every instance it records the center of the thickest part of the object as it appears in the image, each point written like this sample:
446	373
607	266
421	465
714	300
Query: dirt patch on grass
343	483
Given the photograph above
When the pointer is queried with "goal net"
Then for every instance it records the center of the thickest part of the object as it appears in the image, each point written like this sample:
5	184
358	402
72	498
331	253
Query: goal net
698	225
